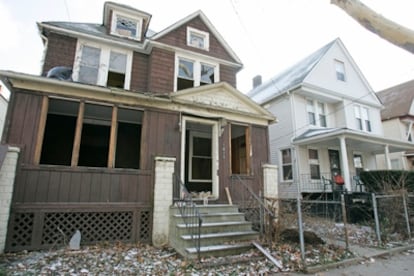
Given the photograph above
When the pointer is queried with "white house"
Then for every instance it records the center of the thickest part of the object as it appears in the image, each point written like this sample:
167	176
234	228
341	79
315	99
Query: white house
397	120
329	122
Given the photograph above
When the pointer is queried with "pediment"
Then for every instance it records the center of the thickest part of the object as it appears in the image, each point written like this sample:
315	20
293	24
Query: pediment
222	97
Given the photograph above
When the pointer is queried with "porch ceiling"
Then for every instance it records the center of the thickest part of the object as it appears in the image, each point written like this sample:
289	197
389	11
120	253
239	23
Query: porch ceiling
355	140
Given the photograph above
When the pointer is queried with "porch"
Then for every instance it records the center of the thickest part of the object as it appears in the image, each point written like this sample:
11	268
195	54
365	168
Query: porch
326	184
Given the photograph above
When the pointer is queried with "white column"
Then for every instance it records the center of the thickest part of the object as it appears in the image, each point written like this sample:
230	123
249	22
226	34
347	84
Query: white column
7	175
270	183
344	164
387	157
163	199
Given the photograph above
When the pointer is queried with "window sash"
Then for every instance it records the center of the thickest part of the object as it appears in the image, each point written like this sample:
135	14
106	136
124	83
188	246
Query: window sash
287	164
191	72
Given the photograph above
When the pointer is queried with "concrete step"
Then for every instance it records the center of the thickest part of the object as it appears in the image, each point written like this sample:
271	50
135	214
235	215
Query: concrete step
219	250
211	208
215	217
216	227
220	238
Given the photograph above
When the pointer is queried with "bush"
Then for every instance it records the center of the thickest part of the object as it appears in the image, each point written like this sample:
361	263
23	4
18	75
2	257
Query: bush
386	181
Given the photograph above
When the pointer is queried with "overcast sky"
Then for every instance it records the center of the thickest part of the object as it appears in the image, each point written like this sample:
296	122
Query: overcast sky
267	35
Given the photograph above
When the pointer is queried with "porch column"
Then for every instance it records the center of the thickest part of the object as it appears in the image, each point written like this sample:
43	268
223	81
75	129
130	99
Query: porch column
163	195
387	157
344	164
270	183
7	175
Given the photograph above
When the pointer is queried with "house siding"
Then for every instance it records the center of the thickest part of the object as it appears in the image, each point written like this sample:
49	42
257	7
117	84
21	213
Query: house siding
161	71
228	74
61	51
139	72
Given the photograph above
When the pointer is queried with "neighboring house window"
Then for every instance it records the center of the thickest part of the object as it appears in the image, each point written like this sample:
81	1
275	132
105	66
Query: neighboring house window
314	164
86	138
362	119
240	149
358	164
395	164
315	110
101	65
200	157
126	26
192	73
198	39
340	70
287	164
409	133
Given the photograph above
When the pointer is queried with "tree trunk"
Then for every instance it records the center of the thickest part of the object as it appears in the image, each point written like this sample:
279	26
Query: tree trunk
376	23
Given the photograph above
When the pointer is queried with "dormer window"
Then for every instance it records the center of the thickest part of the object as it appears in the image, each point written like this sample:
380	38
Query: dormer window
125	26
198	39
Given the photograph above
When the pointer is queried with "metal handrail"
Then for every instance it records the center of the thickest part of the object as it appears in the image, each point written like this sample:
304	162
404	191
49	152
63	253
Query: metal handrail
189	212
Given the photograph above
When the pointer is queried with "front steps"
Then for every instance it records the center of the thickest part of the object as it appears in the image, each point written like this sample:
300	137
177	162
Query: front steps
224	231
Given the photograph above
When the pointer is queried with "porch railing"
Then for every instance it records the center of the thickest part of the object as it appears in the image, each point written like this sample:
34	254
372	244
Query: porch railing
189	212
253	204
325	184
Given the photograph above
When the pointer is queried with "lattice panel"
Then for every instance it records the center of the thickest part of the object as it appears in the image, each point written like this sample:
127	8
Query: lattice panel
145	226
22	230
94	226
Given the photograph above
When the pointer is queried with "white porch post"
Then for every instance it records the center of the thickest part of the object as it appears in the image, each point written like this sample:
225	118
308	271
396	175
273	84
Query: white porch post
387	157
270	183
163	195
344	164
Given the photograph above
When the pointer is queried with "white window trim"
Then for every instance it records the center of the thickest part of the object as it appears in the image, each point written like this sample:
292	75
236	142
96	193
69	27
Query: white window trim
360	109
197	68
203	34
342	64
191	155
315	110
104	62
214	149
291	164
139	20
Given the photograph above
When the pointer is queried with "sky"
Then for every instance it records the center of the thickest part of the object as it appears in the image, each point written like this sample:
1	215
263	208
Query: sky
267	35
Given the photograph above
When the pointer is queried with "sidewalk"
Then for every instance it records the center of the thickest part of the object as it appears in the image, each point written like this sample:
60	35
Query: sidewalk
361	254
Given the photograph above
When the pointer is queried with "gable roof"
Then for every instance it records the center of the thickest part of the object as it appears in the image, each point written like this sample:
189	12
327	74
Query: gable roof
206	21
289	78
397	100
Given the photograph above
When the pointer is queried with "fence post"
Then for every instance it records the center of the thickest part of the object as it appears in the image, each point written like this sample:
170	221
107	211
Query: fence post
344	215
407	218
301	238
377	226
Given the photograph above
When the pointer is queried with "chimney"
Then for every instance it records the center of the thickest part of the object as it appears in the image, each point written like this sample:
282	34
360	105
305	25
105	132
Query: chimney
257	81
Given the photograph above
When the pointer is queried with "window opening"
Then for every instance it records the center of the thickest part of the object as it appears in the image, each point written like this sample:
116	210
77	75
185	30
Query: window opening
311	112
89	65
185	74
117	70
314	164
340	70
322	115
207	74
287	164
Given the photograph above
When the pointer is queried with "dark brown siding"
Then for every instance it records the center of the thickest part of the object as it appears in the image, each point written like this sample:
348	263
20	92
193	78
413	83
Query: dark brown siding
161	66
61	51
228	74
178	38
139	74
160	137
23	122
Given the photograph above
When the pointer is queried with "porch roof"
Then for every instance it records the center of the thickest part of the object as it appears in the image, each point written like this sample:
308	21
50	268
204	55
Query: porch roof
357	140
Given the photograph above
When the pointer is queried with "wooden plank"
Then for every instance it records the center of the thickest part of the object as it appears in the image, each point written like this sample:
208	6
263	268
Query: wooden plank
85	187
105	188
112	139
41	130
42	186
268	255
228	195
54	185
64	188
78	134
75	187
95	184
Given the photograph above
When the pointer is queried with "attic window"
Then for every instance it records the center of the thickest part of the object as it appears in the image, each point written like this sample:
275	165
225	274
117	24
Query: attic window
340	70
125	26
198	39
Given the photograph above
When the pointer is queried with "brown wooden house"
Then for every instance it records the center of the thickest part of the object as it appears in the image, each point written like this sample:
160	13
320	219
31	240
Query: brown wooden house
112	98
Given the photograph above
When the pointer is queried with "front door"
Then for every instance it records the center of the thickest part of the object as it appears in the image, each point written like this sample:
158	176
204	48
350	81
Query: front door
334	161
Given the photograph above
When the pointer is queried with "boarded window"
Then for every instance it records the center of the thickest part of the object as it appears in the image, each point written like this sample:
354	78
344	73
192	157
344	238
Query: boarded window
240	149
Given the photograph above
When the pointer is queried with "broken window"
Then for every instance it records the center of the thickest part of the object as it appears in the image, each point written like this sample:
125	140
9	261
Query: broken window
197	38
89	65
117	69
92	148
240	149
185	74
207	74
126	26
192	73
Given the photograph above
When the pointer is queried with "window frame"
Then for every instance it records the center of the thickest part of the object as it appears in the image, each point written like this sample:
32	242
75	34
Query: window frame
197	63
312	108
104	62
137	20
362	118
340	71
314	162
248	149
192	135
200	34
286	165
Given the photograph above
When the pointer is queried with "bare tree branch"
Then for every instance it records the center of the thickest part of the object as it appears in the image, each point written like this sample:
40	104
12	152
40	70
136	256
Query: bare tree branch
376	23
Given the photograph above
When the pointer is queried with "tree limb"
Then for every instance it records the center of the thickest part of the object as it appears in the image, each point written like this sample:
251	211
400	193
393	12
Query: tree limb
376	23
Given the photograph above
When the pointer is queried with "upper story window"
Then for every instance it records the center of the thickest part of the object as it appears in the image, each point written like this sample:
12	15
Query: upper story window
198	39
340	70
192	73
362	119
102	65
409	131
315	110
126	26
